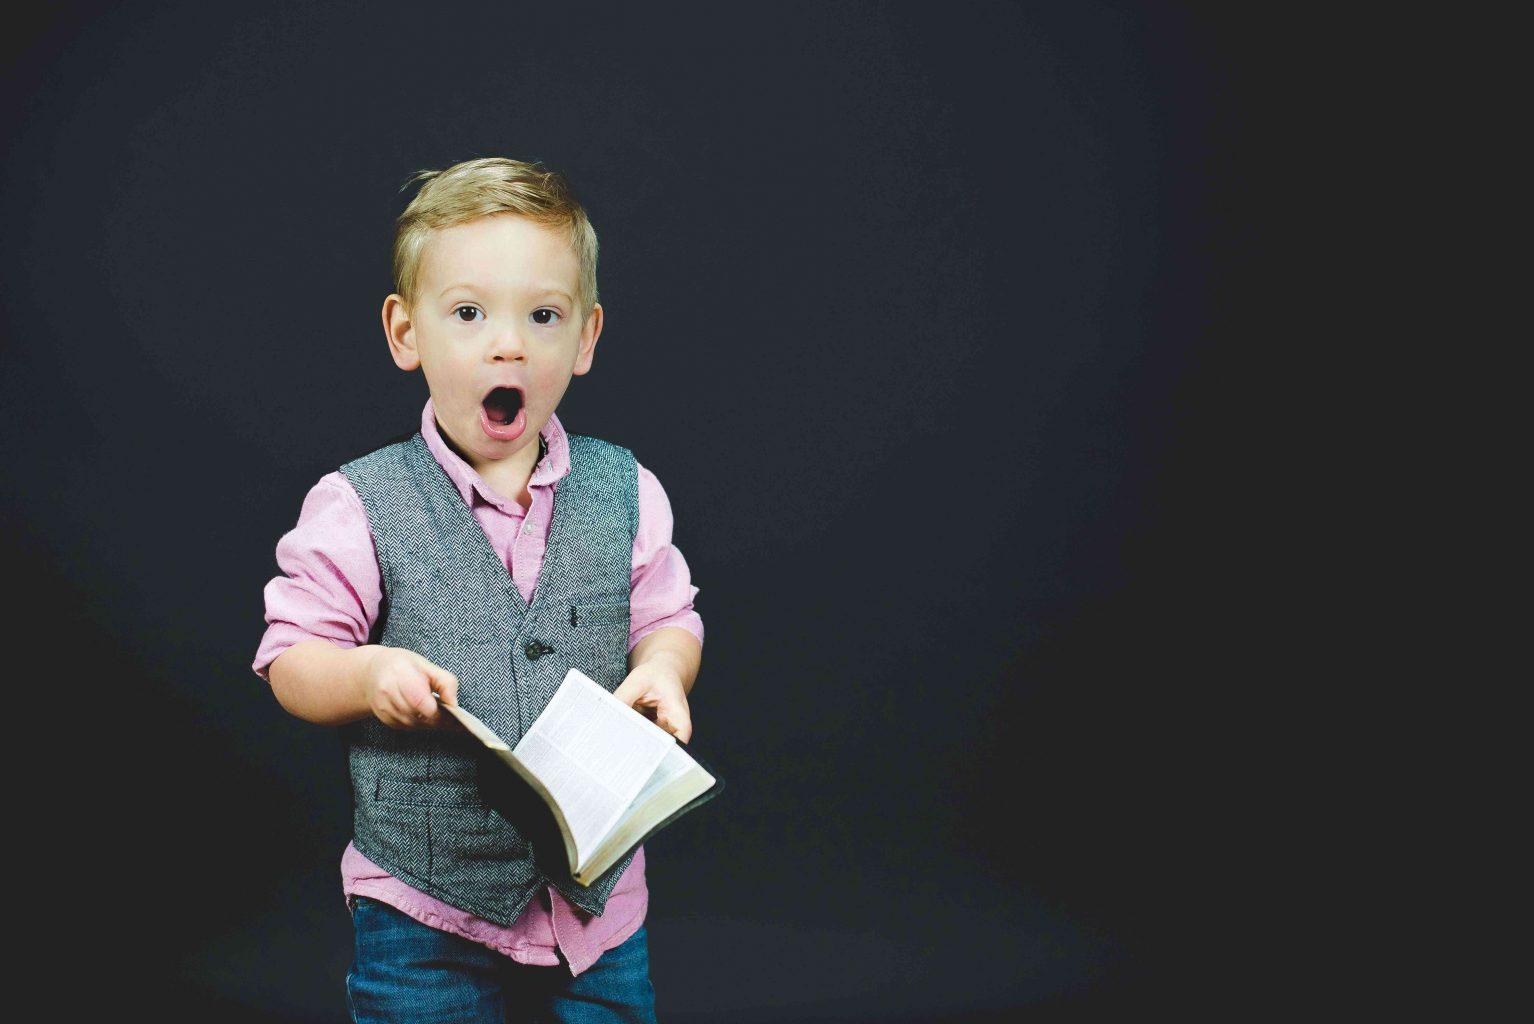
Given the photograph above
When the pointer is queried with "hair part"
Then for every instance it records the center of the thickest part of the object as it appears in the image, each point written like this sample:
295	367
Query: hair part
479	188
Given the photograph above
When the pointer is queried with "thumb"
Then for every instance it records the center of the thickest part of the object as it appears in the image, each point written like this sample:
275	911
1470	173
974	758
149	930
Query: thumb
441	683
439	679
445	683
676	719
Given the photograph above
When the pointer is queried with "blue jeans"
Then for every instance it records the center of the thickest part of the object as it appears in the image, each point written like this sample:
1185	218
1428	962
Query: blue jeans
405	972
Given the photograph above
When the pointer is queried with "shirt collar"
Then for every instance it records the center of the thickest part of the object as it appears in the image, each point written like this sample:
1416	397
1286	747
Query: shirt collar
552	465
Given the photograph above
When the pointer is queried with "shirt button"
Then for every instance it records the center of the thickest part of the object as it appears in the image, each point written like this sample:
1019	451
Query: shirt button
536	649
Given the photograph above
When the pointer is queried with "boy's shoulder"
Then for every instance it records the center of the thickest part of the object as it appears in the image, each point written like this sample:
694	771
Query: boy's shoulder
601	465
587	444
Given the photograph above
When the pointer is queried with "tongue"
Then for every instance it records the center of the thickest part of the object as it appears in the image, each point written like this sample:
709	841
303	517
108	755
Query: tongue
501	405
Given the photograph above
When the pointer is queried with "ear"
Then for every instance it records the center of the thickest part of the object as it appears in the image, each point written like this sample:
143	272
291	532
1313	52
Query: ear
590	331
400	332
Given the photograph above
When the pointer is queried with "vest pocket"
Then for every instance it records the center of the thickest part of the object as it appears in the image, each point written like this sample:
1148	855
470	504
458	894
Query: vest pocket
396	837
443	833
477	834
601	630
597	613
428	793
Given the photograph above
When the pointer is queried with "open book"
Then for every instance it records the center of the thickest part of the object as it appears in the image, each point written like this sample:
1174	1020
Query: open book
610	775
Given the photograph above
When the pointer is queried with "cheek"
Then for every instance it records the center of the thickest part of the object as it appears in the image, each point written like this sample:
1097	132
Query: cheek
551	378
449	375
454	366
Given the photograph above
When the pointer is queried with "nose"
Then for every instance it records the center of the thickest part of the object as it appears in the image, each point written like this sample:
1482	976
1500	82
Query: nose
506	346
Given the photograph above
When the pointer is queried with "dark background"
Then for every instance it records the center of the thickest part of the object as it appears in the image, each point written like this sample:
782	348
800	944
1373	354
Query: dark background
916	312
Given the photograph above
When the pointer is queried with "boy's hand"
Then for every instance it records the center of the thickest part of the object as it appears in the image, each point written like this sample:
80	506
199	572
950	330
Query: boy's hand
398	685
654	689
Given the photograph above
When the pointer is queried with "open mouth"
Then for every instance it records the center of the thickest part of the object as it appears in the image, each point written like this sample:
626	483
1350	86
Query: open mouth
502	405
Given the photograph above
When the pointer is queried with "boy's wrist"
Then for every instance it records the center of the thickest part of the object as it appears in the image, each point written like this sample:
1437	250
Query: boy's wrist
673	649
361	660
665	659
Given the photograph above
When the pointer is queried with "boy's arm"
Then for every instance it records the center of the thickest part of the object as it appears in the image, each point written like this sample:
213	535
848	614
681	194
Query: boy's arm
322	683
660	583
665	633
675	648
662	668
319	615
329	586
329	685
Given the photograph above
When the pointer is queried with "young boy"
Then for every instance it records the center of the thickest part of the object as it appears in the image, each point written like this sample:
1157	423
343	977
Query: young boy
473	562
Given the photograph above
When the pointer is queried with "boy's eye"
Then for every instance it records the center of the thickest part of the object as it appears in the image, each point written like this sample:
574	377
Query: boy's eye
545	316
466	319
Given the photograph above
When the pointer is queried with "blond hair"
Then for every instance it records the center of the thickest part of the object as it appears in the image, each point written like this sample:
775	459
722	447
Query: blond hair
477	188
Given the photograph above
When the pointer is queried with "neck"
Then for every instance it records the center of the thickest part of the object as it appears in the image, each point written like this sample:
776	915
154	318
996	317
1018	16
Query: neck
508	476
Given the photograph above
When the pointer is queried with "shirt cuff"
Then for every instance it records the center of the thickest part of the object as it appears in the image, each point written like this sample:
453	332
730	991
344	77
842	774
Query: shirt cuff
686	619
279	637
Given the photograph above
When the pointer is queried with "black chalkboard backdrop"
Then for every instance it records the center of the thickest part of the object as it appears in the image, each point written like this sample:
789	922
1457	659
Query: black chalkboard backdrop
917	313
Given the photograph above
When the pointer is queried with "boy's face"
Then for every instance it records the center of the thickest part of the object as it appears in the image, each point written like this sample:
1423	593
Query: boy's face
496	330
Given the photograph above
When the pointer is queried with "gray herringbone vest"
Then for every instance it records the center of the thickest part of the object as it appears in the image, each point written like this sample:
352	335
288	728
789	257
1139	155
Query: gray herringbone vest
419	795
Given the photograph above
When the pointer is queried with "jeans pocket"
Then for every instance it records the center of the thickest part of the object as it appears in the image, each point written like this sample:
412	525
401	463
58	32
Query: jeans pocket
356	902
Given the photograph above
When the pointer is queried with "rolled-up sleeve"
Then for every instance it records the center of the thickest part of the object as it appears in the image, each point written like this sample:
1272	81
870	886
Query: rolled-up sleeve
330	587
660	589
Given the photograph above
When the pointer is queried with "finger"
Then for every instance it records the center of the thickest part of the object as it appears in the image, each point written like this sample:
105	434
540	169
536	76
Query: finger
397	714
391	715
648	705
445	683
411	699
422	703
444	690
392	709
676	720
439	679
445	717
439	685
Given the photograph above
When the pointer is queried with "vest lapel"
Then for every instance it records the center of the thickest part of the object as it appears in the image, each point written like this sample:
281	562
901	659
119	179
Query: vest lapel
453	509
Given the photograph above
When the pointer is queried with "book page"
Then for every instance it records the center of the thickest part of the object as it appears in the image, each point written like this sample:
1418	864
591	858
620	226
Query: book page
676	781
594	754
672	766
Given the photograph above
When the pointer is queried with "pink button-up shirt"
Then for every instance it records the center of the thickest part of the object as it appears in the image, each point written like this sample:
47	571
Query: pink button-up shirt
332	590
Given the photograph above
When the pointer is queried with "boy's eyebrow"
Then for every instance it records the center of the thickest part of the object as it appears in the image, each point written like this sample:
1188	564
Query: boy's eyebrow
545	290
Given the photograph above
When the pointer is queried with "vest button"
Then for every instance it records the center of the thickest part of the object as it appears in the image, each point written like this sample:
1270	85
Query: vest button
536	649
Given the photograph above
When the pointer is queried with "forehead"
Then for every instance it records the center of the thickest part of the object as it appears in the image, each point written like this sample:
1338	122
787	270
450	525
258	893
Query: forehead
504	250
